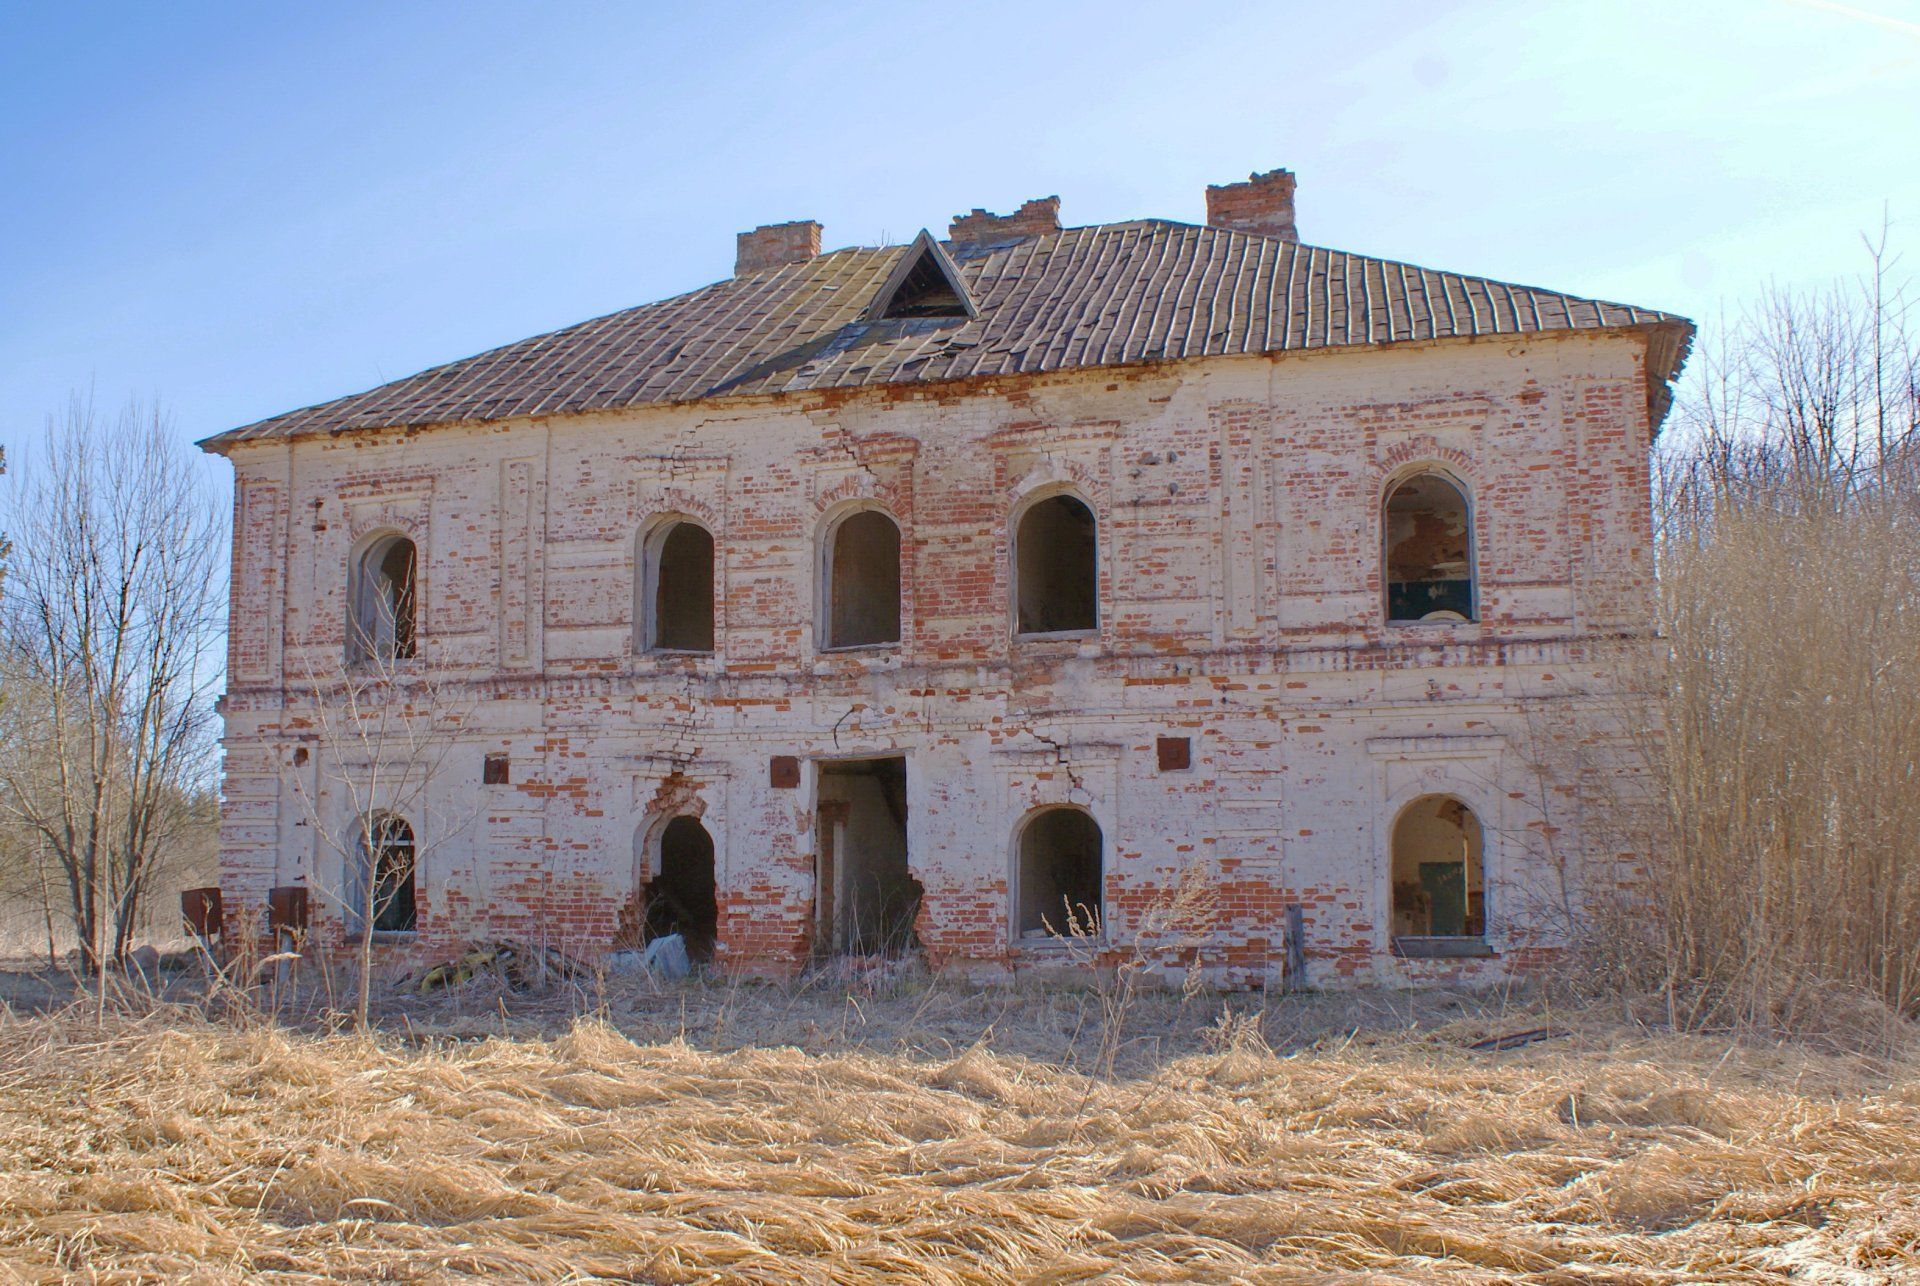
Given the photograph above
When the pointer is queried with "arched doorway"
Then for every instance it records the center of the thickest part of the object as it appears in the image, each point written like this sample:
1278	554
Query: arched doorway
681	896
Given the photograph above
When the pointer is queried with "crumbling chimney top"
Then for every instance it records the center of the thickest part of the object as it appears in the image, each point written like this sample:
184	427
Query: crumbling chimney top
1262	205
1035	218
772	245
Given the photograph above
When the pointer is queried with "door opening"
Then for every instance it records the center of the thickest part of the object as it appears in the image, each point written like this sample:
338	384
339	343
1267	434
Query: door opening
865	895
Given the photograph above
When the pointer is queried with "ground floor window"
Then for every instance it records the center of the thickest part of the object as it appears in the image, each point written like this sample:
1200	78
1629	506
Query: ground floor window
1060	876
389	864
1439	884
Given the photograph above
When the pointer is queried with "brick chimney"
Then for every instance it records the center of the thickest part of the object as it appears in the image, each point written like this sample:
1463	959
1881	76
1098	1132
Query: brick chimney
773	244
1035	218
1262	205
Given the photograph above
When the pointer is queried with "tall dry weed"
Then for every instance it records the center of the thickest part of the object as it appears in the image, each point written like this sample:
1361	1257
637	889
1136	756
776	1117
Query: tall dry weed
1782	883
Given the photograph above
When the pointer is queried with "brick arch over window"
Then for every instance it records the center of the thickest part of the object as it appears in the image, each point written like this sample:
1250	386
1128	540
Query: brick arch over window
382	598
674	584
860	580
1429	565
1056	564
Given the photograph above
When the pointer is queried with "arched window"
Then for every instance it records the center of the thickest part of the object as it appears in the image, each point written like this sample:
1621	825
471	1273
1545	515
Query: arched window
381	598
681	898
383	892
1439	886
1056	568
863	580
1429	551
677	595
1060	875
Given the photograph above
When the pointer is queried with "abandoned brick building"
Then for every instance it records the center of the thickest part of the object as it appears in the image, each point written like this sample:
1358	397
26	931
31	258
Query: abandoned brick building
963	597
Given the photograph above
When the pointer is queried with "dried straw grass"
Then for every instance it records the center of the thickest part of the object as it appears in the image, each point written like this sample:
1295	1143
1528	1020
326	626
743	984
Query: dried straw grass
171	1148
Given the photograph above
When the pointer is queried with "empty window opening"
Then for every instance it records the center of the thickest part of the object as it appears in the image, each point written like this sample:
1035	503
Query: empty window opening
866	898
863	581
1429	551
387	858
1060	876
681	897
1056	568
680	563
924	283
1439	889
380	616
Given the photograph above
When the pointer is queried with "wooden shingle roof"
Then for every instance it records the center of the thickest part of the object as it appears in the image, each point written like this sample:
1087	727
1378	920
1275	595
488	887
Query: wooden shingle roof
1110	295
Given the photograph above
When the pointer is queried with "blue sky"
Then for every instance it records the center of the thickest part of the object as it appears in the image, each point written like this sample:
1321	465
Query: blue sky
239	209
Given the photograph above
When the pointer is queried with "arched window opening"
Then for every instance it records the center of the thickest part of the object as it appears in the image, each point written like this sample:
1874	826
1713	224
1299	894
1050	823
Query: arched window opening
380	616
863	581
384	885
680	563
1439	885
1056	568
1060	876
1429	551
681	898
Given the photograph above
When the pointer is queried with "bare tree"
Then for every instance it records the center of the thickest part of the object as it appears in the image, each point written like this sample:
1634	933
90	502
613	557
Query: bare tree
110	625
373	734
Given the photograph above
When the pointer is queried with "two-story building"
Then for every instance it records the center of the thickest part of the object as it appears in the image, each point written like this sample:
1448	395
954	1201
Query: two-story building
965	597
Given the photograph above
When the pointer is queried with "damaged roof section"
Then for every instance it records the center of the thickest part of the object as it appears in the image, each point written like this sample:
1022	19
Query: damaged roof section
1111	295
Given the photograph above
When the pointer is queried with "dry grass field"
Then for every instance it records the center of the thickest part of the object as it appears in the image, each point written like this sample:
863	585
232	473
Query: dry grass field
945	1135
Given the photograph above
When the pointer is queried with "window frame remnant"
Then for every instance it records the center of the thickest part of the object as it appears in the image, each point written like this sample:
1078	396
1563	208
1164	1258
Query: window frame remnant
1443	599
382	614
661	631
1042	589
841	614
1439	905
1036	920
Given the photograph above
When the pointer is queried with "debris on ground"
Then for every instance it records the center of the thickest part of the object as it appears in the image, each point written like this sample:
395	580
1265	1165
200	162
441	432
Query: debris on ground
1514	1040
518	964
665	957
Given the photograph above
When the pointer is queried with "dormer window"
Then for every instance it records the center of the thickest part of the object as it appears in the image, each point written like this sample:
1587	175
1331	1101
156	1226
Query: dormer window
925	283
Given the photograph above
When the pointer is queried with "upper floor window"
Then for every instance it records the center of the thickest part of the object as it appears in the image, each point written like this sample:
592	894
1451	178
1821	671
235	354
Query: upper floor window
1428	538
1056	568
863	580
381	589
677	593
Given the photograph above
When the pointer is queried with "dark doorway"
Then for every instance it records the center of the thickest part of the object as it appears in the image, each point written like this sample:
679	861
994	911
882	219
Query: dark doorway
866	897
681	899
